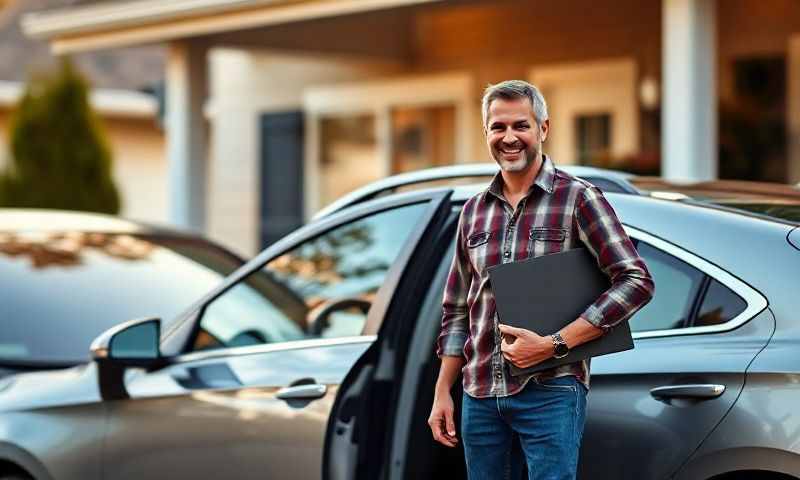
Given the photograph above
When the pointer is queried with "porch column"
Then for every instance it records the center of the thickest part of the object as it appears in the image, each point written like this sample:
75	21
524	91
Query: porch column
793	108
689	104
187	134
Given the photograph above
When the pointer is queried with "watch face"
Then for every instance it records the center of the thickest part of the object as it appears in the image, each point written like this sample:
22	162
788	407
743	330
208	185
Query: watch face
561	349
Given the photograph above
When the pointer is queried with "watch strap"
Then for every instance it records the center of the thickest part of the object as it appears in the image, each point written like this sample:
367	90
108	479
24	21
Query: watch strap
560	349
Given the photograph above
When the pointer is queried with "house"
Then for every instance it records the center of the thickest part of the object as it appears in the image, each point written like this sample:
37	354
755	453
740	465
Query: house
276	107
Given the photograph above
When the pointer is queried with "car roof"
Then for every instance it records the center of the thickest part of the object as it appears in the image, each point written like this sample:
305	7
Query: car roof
769	201
757	200
464	192
739	190
607	180
44	220
772	201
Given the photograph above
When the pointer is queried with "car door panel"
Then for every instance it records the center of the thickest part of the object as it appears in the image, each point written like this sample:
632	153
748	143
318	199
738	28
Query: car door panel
756	433
357	436
192	420
260	409
658	402
625	421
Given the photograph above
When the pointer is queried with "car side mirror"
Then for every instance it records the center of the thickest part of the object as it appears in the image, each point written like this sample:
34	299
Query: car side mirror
131	344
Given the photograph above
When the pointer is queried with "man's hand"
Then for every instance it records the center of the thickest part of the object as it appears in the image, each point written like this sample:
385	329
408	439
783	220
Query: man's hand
441	420
527	348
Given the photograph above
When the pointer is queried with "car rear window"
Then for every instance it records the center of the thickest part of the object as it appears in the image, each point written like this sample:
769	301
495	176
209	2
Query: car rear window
720	305
61	290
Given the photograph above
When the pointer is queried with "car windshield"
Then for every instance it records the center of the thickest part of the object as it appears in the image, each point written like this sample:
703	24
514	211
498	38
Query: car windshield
61	290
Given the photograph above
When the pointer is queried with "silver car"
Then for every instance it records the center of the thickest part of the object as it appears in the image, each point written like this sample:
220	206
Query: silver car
315	360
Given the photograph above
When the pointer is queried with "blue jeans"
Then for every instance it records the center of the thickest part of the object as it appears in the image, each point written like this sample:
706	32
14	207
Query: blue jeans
547	420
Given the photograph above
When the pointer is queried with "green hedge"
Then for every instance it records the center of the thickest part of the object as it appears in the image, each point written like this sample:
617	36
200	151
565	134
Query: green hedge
60	156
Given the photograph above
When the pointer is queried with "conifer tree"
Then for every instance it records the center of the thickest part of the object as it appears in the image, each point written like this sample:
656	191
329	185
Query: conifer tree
60	157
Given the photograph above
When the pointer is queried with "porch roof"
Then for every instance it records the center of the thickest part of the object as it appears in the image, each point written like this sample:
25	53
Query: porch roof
120	24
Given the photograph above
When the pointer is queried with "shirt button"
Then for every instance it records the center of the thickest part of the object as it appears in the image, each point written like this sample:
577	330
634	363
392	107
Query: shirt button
506	254
498	375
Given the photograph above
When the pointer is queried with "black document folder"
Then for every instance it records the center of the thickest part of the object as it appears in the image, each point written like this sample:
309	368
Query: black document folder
546	293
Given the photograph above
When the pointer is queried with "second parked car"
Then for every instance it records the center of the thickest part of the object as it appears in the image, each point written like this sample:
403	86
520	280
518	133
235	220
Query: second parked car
67	277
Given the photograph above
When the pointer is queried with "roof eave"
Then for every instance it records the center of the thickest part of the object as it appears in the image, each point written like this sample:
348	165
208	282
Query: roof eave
90	18
94	27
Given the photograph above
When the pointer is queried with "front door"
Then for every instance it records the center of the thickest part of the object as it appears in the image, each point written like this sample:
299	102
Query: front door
250	396
230	414
281	175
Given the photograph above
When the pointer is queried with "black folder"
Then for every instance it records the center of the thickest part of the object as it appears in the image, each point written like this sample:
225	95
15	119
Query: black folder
546	293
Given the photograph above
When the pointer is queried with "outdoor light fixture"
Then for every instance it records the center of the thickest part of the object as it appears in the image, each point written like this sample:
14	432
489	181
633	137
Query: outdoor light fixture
648	92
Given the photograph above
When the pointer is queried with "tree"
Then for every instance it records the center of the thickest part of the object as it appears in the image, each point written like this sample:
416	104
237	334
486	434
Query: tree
60	157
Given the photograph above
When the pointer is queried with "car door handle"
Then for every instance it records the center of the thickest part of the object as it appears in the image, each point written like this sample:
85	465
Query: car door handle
302	392
697	391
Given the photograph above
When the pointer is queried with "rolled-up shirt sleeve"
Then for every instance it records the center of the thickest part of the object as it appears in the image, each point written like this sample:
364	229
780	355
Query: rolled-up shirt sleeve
631	284
455	315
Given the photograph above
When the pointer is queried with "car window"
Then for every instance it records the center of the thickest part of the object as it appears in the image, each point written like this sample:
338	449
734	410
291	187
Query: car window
719	305
322	288
62	289
677	284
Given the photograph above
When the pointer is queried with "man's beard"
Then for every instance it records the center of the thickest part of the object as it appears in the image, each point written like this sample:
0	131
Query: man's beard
526	159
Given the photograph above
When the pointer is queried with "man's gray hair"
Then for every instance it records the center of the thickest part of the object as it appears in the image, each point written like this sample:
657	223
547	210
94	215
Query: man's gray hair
512	90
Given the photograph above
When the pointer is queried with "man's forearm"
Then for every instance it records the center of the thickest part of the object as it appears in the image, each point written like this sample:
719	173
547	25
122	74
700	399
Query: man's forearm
602	233
579	332
448	373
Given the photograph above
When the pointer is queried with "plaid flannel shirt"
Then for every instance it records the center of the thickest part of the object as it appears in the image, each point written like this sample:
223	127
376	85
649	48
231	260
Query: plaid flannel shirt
559	212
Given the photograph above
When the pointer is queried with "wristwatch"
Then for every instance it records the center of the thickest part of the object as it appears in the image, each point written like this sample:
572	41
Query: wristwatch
560	348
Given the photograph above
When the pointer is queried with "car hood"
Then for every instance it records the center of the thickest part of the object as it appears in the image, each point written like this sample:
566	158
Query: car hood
53	388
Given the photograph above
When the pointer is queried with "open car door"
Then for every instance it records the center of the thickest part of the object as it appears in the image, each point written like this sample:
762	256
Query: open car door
361	424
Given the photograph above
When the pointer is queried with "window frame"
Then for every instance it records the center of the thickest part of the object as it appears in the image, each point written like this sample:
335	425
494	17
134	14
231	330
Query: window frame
434	199
221	353
695	295
755	302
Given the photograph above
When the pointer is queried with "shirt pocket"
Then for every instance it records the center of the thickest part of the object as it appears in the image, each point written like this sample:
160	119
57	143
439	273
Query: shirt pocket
477	239
547	240
478	248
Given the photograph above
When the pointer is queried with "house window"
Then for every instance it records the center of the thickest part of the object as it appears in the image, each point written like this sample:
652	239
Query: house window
422	137
593	136
349	154
752	124
364	131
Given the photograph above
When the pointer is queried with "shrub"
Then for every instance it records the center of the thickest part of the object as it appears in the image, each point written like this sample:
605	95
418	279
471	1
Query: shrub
60	157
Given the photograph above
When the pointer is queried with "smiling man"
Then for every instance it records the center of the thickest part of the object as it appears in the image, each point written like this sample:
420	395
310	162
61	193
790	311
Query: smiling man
530	209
